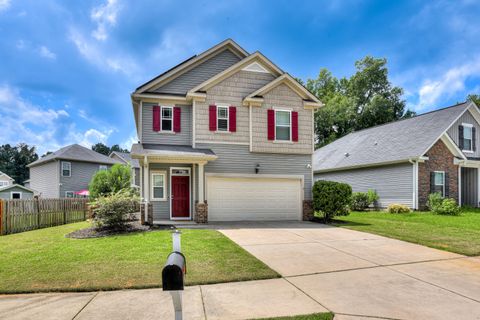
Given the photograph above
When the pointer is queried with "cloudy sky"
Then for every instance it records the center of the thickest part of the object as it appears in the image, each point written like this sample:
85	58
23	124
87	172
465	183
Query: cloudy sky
67	67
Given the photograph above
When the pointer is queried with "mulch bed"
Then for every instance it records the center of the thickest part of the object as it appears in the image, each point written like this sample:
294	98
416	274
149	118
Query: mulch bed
134	226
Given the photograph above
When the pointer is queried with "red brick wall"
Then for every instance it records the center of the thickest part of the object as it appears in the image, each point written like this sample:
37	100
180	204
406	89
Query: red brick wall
439	159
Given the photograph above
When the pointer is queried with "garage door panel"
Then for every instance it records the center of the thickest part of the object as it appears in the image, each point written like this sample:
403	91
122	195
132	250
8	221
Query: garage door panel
233	199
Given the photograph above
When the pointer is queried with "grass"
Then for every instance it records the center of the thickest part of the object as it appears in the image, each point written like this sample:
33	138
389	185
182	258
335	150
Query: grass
315	316
459	234
44	260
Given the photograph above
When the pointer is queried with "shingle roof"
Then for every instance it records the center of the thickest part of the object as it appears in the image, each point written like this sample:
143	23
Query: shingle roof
163	150
75	152
16	186
128	158
395	141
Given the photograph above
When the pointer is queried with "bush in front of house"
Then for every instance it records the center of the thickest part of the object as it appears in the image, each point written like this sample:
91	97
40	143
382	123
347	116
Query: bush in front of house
434	201
372	197
106	182
444	206
331	199
398	208
359	201
113	211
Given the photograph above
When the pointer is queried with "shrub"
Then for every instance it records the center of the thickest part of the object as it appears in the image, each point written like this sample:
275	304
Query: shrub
110	181
439	205
113	211
331	198
434	201
359	201
398	208
372	197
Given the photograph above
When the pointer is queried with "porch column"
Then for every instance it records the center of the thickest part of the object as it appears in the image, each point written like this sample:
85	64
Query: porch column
146	196
201	193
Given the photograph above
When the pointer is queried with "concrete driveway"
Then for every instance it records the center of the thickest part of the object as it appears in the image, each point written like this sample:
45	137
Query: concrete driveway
358	275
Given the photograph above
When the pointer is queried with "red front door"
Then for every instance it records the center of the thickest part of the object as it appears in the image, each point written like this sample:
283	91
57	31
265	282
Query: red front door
180	197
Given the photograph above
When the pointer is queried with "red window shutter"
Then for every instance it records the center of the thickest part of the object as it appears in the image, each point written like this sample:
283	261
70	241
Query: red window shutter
294	126
156	118
232	118
271	124
177	116
212	118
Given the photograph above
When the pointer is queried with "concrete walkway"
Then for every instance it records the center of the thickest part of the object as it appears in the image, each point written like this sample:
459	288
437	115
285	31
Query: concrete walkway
353	274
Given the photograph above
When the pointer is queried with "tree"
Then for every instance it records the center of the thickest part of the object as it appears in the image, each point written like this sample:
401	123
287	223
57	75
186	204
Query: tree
104	149
475	98
364	100
106	182
14	161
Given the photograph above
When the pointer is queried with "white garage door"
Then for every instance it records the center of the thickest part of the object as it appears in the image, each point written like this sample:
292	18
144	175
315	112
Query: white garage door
235	199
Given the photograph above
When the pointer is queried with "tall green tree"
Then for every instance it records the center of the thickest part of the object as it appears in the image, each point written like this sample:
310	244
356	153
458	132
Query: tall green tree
475	98
106	150
14	161
364	100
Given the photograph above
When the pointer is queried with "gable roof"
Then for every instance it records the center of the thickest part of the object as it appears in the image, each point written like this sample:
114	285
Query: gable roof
191	62
309	98
126	157
4	174
16	186
75	152
392	142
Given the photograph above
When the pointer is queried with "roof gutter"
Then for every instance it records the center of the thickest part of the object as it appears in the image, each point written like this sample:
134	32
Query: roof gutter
377	164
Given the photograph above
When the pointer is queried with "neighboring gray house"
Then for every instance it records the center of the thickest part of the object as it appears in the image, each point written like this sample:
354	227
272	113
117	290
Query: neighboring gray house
126	158
15	191
5	180
225	135
405	161
66	171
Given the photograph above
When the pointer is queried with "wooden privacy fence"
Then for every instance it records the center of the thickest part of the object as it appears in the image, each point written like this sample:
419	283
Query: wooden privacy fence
23	215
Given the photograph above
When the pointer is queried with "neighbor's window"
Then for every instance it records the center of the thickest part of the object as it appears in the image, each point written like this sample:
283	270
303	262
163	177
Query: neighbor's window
69	194
439	182
66	169
167	118
16	195
222	118
283	125
467	137
3	184
158	186
102	167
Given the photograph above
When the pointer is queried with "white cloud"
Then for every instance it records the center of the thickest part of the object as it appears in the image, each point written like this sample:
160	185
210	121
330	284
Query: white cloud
46	128
46	53
447	85
105	16
127	144
4	4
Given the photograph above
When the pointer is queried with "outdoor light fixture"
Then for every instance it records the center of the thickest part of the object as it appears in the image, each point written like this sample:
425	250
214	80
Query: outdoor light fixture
257	168
309	166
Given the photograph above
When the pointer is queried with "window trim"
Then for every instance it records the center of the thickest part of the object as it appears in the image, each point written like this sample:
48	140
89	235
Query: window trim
443	181
290	125
17	192
470	126
227	118
162	118
102	167
164	174
67	192
69	170
4	183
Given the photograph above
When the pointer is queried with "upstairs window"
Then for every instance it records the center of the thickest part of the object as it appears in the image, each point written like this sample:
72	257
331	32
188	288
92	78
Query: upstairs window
467	137
283	125
66	169
167	119
222	118
3	184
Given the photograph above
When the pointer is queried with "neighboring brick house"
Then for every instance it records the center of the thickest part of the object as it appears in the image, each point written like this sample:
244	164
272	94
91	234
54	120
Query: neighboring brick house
405	161
225	135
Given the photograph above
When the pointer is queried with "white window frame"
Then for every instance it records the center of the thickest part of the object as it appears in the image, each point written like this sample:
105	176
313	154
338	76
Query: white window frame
69	169
443	181
102	167
162	118
227	118
290	113
164	174
469	126
67	192
4	184
15	192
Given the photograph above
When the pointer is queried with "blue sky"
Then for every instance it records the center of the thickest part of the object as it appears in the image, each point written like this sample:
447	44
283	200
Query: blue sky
67	68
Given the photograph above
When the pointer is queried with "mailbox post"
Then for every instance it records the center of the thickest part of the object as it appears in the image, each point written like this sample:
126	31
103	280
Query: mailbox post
173	274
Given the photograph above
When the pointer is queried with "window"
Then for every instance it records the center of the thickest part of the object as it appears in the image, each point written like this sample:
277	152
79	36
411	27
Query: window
158	186
167	118
222	118
439	182
16	195
3	184
467	137
66	169
69	194
283	127
102	167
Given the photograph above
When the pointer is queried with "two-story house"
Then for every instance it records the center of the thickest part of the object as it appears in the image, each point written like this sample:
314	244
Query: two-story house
67	171
225	135
405	161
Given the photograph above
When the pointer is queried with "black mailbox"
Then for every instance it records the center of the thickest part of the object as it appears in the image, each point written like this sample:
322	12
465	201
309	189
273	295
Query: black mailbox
174	272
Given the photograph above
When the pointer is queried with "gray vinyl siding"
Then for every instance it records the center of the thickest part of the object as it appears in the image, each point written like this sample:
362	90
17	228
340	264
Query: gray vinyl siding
393	183
44	179
453	132
238	159
184	137
161	209
25	194
81	175
470	186
200	73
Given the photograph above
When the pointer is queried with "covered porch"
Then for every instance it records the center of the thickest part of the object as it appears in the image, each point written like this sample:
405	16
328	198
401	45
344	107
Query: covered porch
469	191
172	184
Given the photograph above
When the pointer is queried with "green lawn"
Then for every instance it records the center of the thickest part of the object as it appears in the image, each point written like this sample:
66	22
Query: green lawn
459	234
44	260
316	316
